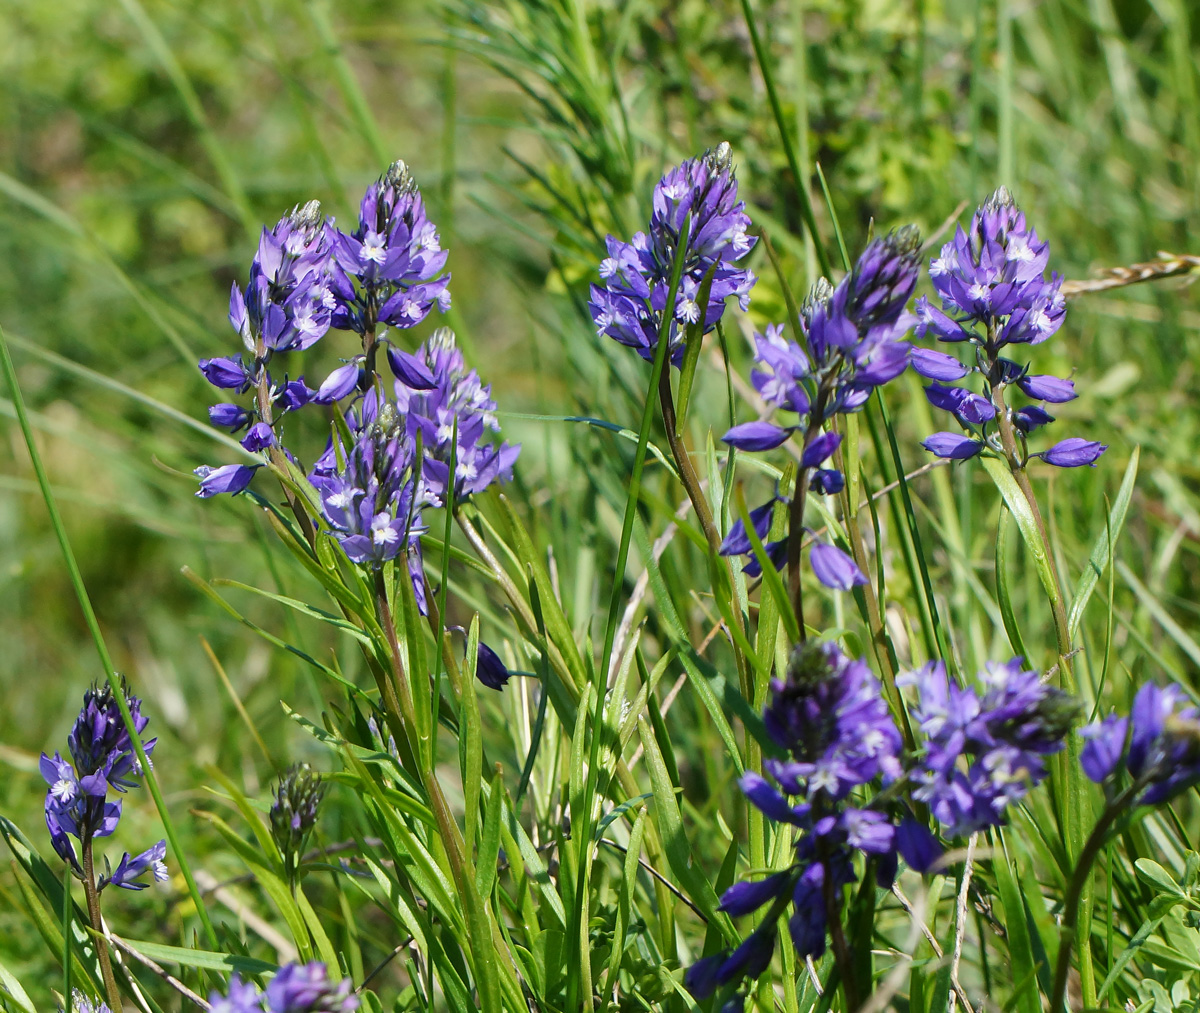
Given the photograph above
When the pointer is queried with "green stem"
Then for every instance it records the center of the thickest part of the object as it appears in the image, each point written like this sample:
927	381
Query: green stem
98	940
661	352
66	930
1076	888
93	625
801	178
1016	464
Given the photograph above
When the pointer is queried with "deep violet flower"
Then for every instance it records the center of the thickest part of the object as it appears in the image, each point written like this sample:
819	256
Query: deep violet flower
701	195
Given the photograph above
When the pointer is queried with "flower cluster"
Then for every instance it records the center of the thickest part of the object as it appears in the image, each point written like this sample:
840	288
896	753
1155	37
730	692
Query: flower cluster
1158	745
296	988
77	802
695	204
999	731
454	400
994	293
386	270
370	488
307	277
852	342
830	718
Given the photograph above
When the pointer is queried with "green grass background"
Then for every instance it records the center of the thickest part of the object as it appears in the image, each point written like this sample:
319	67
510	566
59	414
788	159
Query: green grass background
143	142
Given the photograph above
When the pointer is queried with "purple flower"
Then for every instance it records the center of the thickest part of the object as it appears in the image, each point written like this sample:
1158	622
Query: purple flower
243	997
229	416
747	897
372	502
130	870
102	759
307	988
489	669
937	365
827	481
1073	452
830	715
756	436
830	718
994	292
852	335
930	319
628	306
260	437
387	270
1003	732
341	383
229	478
1163	753
833	568
917	846
954	446
737	541
410	370
1031	417
1104	747
1048	388
776	553
819	450
458	400
227	373
80	1003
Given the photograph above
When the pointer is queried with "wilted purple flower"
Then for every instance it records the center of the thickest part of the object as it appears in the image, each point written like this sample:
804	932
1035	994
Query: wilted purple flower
456	398
1073	452
1003	732
1163	751
701	193
994	293
307	988
130	870
386	271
